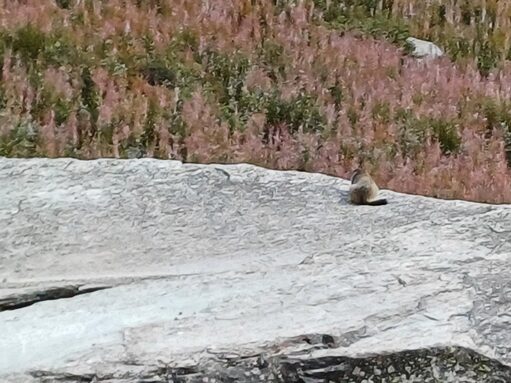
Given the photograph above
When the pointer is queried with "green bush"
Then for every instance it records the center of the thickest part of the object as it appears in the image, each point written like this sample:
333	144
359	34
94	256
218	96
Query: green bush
21	140
300	111
89	95
64	4
414	130
158	73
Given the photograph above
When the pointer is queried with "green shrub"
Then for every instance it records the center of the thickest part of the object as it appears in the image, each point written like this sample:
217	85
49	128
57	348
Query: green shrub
148	136
89	101
498	117
413	132
300	111
158	73
21	140
446	133
365	16
381	112
60	51
27	41
273	59
64	4
3	97
337	94
31	44
225	74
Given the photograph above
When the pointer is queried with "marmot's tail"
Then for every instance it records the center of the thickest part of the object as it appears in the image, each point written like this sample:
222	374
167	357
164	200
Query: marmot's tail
377	202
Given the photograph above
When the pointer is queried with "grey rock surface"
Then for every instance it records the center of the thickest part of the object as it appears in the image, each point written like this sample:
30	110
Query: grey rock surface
147	271
424	48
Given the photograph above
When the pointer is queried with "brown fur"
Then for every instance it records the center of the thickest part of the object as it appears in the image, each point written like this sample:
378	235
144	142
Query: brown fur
363	190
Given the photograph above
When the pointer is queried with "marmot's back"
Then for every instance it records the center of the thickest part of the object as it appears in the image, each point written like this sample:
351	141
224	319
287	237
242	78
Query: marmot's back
363	190
359	193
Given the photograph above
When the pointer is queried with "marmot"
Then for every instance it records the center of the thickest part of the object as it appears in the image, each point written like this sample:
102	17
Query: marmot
363	190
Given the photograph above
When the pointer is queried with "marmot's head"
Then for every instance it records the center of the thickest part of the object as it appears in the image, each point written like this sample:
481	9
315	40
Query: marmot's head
357	173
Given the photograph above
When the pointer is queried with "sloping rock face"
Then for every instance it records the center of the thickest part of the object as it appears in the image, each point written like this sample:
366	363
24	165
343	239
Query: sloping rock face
157	271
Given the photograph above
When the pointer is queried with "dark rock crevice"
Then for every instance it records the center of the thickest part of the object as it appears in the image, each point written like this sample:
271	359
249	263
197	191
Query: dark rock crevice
18	301
443	364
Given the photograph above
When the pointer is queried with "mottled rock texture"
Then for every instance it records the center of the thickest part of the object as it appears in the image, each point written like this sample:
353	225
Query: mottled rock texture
157	271
424	49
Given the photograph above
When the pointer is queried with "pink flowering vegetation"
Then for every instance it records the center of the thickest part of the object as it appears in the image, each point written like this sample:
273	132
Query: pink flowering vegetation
230	81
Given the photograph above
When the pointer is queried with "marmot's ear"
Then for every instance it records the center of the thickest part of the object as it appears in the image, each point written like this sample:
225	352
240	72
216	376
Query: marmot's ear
355	172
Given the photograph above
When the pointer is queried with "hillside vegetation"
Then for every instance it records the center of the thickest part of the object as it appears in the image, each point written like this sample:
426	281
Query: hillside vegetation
309	85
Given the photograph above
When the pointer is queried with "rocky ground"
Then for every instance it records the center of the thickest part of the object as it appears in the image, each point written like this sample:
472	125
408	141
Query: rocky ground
158	271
